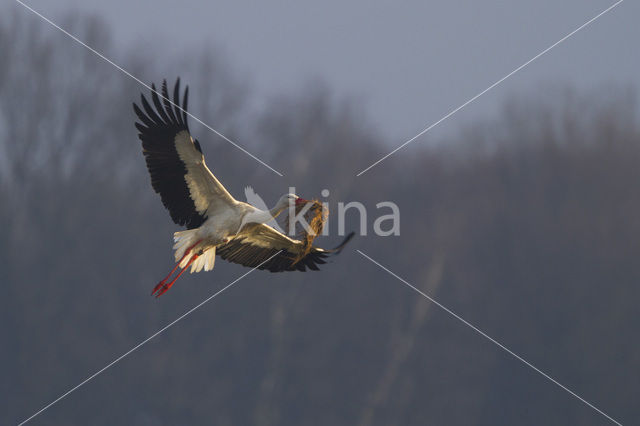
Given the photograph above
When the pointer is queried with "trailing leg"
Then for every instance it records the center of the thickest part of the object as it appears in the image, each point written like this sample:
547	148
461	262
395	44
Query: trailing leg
162	288
165	279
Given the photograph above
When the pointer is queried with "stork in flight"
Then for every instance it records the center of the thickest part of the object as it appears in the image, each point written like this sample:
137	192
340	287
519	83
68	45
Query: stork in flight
216	222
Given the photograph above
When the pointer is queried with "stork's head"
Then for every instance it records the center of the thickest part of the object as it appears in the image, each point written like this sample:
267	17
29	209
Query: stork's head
292	200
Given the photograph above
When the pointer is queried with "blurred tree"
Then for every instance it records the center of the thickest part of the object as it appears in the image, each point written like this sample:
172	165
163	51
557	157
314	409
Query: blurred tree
528	226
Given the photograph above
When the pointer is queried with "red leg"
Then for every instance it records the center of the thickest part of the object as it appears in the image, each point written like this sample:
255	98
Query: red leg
166	287
164	280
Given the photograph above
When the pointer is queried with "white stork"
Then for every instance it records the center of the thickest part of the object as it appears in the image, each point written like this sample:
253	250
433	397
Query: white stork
216	222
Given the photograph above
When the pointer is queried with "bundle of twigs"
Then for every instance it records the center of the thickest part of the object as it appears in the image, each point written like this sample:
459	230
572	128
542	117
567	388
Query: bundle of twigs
315	216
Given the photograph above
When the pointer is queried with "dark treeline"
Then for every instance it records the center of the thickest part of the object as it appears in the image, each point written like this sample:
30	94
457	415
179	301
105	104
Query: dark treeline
527	226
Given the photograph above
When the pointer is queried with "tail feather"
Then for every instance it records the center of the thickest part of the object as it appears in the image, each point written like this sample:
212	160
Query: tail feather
184	240
206	260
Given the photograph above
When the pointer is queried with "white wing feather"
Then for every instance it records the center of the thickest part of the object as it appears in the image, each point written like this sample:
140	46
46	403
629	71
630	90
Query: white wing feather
208	194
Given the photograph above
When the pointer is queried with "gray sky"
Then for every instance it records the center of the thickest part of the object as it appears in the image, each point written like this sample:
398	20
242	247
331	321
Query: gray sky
408	62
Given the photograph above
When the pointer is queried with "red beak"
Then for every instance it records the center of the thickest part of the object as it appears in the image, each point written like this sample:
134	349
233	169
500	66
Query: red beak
301	201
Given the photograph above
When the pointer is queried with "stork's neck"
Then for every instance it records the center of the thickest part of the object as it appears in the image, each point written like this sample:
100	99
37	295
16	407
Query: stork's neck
279	208
263	216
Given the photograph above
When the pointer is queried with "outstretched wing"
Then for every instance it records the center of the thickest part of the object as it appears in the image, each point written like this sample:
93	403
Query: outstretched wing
258	242
178	171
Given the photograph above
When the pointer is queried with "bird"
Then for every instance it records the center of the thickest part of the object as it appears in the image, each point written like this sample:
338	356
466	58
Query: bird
216	223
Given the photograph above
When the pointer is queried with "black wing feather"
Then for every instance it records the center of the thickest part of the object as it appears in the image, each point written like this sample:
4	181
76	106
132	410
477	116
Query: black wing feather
158	128
146	121
184	104
159	108
181	116
167	103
